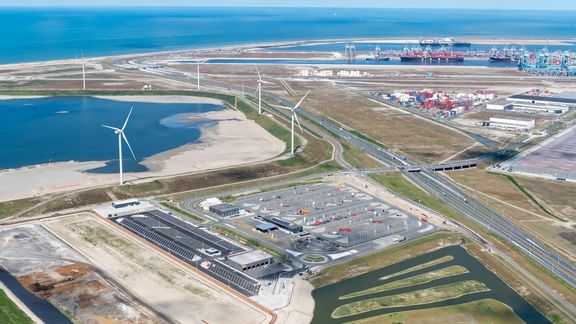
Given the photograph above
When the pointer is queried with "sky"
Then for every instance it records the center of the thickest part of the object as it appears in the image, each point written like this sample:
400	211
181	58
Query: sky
464	4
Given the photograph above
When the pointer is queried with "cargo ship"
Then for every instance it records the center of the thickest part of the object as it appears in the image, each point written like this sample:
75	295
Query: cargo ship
429	56
445	41
506	55
503	59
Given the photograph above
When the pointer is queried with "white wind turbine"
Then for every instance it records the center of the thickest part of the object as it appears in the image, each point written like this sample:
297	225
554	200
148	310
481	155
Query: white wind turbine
259	90
121	136
294	117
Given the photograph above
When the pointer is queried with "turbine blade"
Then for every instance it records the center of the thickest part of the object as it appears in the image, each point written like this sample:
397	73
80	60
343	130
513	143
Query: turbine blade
259	77
126	140
126	122
281	107
299	102
82	51
257	88
112	128
298	122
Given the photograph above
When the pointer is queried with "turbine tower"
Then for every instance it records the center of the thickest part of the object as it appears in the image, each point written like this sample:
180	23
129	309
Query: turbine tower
197	74
83	71
294	117
121	135
259	89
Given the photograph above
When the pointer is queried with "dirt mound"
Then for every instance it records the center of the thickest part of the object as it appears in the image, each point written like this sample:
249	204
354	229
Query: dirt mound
85	295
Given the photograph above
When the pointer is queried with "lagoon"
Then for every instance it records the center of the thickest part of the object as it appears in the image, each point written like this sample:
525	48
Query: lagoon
58	129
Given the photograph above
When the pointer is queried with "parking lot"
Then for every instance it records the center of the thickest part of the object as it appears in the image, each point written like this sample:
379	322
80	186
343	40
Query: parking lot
555	157
339	215
203	250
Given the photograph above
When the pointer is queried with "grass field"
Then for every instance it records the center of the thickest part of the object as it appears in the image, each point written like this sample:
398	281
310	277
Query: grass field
396	183
480	311
358	159
421	266
416	137
556	196
424	296
9	208
10	313
411	281
494	185
381	259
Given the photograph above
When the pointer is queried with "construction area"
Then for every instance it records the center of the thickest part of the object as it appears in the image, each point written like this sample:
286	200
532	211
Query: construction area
51	270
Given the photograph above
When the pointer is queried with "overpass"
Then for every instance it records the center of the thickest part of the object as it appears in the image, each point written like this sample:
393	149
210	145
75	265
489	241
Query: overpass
448	166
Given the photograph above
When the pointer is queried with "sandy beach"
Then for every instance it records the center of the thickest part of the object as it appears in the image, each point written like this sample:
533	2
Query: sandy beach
20	97
163	99
234	141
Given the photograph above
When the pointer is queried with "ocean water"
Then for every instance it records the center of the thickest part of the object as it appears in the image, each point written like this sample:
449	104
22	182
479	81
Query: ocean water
62	33
57	129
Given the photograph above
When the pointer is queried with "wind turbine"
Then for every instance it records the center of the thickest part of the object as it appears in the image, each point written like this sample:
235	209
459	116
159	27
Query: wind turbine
197	74
83	71
294	117
259	89
121	136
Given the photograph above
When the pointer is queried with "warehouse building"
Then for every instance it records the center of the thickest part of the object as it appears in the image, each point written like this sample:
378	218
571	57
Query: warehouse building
250	260
527	107
511	124
290	227
224	210
559	100
266	227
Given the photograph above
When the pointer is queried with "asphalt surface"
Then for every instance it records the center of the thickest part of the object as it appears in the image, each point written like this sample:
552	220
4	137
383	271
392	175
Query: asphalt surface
435	185
444	189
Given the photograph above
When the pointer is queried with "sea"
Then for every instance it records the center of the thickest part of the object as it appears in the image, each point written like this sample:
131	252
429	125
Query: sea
36	131
59	129
38	34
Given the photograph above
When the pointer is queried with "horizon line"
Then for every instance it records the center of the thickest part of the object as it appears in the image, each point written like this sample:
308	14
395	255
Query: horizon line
271	7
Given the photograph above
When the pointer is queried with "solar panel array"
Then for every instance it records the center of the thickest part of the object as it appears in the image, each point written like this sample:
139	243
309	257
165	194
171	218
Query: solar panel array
160	241
217	270
229	276
211	240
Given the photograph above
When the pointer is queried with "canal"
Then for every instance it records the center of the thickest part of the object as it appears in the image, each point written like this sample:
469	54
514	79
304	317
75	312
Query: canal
40	307
327	298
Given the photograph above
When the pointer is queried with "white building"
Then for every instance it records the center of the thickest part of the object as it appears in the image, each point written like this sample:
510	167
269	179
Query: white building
526	106
124	208
206	204
500	104
511	124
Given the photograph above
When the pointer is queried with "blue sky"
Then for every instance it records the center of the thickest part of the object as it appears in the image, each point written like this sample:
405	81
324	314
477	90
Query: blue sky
482	4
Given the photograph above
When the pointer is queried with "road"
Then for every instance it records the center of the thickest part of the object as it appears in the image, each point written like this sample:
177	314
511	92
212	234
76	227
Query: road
440	187
435	185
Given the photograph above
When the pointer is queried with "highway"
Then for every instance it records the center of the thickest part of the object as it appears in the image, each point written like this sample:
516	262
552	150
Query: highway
442	188
432	183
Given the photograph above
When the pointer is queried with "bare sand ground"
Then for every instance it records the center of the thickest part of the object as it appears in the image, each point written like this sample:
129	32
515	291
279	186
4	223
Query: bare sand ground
300	310
19	97
235	140
165	285
163	99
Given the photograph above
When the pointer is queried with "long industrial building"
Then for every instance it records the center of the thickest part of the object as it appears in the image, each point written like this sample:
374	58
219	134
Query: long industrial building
511	124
